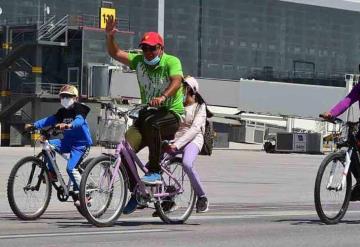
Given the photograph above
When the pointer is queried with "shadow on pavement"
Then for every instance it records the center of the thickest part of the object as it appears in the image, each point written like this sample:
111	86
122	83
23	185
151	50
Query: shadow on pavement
296	222
72	224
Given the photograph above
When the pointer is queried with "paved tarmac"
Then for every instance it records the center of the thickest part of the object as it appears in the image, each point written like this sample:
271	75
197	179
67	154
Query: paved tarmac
256	199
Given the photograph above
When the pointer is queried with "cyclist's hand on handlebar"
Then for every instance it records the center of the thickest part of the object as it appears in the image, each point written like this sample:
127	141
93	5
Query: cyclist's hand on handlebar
326	115
171	148
42	138
157	101
62	126
29	127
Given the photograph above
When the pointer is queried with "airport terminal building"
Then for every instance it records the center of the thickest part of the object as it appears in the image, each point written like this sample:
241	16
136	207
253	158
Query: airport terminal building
48	43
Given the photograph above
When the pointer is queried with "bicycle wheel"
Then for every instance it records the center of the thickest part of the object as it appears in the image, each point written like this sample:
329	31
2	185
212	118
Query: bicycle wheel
102	202
331	199
81	169
84	164
178	206
28	188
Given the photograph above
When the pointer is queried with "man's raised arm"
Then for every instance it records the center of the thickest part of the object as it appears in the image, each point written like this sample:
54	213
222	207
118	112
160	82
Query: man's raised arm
112	48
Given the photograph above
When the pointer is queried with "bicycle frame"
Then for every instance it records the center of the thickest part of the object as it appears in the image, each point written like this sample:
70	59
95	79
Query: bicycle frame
351	147
345	172
47	150
132	161
124	149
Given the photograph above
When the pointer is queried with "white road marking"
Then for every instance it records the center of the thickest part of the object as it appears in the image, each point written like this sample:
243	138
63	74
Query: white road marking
36	235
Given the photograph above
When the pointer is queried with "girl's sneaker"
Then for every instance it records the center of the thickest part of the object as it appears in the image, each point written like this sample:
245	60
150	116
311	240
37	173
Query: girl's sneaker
202	205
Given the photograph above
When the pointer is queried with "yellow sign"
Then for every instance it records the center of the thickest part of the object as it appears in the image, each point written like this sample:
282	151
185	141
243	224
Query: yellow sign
36	70
105	13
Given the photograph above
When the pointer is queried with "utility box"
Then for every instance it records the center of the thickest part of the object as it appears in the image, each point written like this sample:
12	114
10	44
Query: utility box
99	76
248	132
221	140
299	142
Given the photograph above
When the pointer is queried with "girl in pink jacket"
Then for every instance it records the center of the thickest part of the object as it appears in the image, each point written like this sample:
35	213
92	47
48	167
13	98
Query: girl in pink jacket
190	138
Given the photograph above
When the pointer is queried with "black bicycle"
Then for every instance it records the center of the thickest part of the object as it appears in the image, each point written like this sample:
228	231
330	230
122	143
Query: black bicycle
334	181
29	187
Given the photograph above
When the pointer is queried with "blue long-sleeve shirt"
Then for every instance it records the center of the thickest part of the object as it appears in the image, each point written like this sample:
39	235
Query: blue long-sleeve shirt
79	134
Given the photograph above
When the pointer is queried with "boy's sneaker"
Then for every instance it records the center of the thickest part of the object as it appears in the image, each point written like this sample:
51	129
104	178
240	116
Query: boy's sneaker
202	205
152	178
130	206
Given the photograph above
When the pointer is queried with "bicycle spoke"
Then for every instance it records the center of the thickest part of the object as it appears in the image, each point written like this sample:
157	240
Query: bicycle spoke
107	199
179	204
331	195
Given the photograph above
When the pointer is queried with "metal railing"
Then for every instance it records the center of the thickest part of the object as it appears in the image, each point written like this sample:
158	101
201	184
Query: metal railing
74	20
45	27
50	31
23	20
41	89
93	21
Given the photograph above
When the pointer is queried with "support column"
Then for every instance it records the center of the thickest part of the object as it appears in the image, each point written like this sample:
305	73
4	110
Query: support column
35	115
37	69
5	90
289	124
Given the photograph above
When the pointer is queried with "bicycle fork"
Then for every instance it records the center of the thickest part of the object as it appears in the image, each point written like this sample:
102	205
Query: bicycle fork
344	174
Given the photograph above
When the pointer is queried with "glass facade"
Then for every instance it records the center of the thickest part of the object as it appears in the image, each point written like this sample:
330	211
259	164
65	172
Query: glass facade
227	39
263	39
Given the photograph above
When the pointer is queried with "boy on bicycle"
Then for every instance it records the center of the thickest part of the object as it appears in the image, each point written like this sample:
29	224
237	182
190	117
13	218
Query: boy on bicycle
77	139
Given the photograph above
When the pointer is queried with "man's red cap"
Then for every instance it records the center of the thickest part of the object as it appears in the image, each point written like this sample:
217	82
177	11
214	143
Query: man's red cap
152	39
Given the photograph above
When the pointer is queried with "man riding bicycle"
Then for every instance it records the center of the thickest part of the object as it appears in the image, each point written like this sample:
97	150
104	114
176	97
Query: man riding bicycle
159	77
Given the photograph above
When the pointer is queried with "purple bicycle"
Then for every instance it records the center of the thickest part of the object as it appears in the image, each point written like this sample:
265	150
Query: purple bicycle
104	183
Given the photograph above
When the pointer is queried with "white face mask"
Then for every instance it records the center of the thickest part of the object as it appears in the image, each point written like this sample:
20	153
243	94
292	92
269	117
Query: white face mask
67	102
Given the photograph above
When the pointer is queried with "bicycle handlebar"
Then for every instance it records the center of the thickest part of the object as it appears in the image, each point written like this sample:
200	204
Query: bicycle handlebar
111	107
333	120
53	130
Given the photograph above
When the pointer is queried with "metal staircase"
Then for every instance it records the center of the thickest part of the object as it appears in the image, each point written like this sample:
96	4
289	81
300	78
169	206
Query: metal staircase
51	31
15	106
14	55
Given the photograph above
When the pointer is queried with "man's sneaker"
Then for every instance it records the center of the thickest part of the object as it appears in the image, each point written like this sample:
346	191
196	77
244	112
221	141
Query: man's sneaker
130	206
52	176
167	206
355	192
202	205
152	178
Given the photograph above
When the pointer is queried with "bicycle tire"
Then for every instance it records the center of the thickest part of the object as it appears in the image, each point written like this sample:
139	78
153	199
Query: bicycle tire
170	217
95	218
319	204
14	205
81	169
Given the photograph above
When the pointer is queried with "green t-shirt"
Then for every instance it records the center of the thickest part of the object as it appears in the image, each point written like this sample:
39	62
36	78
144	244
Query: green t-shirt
154	80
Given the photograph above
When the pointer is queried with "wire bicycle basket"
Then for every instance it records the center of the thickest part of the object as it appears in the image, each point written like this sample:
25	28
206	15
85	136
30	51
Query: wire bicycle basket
112	128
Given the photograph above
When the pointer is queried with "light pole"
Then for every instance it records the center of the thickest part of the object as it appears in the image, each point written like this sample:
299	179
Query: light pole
161	16
1	11
46	11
